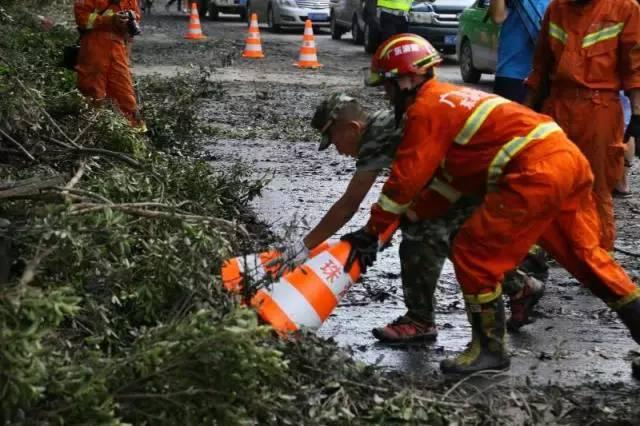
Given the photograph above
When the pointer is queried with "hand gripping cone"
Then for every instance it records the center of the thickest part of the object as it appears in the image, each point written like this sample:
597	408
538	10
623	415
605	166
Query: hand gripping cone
194	32
253	46
305	296
308	55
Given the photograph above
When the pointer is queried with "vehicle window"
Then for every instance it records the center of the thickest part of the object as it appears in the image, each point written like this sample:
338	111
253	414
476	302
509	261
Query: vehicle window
483	3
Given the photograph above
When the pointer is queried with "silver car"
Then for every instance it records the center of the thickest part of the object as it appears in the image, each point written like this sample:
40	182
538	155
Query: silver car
290	13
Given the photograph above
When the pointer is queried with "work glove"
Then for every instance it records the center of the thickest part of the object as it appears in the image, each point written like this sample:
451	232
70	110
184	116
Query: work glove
293	255
364	249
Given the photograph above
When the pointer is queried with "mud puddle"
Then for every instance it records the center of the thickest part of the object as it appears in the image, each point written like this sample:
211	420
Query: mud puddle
574	340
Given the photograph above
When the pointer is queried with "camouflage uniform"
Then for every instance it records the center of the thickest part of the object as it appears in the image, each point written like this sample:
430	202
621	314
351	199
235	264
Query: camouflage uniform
425	245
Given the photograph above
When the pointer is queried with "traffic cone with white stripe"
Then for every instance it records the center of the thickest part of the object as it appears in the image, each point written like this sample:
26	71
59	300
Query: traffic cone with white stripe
253	45
194	31
308	55
305	296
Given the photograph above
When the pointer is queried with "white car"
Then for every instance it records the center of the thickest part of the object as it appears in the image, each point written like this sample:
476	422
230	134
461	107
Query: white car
290	13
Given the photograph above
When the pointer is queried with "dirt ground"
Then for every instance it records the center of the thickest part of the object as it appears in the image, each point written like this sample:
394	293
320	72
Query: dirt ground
262	120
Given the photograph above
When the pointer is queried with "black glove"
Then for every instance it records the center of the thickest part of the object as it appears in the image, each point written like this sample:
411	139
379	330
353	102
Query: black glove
633	129
364	248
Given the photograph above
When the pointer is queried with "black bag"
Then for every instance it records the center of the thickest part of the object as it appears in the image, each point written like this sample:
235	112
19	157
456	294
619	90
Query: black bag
70	56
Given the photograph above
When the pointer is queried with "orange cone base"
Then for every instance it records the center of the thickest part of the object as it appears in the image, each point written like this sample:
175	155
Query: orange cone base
195	37
253	55
306	65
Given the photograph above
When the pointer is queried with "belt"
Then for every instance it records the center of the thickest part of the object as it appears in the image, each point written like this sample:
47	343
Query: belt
585	93
396	12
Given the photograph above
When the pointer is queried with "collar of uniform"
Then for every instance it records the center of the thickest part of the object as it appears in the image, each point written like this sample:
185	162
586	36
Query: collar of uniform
427	85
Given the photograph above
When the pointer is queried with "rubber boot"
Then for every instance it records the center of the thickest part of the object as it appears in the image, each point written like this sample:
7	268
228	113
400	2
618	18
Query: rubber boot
486	350
630	316
523	303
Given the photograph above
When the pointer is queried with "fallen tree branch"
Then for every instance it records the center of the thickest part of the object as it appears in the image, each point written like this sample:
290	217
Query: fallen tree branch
32	186
136	209
18	145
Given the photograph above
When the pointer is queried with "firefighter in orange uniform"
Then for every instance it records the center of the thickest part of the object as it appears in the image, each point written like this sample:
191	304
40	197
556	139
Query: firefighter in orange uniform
588	50
103	61
536	187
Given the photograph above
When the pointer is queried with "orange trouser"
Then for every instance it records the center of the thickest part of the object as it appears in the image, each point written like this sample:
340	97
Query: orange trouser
594	122
103	72
547	201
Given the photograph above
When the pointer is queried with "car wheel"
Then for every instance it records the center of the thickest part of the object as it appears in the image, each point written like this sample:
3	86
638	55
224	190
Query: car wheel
336	33
214	13
271	23
371	39
356	34
468	72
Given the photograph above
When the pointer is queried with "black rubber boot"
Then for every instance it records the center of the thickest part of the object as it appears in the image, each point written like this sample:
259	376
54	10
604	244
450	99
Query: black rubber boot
630	316
486	350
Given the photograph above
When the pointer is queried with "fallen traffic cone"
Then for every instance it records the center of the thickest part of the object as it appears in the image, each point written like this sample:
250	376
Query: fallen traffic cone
305	296
194	32
308	56
253	46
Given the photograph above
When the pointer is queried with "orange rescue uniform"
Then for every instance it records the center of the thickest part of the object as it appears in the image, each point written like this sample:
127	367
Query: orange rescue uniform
103	62
589	52
537	187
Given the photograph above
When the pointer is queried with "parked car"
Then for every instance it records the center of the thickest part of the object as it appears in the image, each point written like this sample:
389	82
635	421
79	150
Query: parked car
213	8
436	20
290	13
477	42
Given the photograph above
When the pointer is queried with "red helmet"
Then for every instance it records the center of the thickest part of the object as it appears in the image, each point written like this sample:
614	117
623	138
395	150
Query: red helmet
402	54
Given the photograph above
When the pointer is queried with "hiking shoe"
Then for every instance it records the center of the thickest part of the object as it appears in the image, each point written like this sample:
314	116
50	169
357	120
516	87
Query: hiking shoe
405	329
522	305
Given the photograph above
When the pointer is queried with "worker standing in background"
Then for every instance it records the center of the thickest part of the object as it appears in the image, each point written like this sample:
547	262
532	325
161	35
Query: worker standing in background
622	189
103	62
393	16
535	186
515	49
587	51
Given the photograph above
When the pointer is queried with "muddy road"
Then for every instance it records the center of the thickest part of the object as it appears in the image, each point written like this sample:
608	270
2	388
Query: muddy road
262	119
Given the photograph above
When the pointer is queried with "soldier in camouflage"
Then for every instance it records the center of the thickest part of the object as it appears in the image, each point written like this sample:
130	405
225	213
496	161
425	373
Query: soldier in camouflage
372	139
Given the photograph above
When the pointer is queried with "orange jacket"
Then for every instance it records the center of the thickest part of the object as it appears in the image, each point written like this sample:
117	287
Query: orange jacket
96	16
460	140
595	46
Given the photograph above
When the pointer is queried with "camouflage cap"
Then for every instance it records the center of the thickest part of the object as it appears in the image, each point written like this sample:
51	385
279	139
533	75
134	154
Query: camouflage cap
326	113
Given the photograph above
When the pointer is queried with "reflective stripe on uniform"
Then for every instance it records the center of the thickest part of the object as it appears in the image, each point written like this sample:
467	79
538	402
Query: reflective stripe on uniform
446	190
477	119
482	298
511	148
91	21
558	33
625	300
602	35
388	205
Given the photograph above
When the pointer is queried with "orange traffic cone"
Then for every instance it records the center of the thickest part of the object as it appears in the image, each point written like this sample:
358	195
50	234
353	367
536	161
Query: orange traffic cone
308	56
253	46
194	32
305	296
